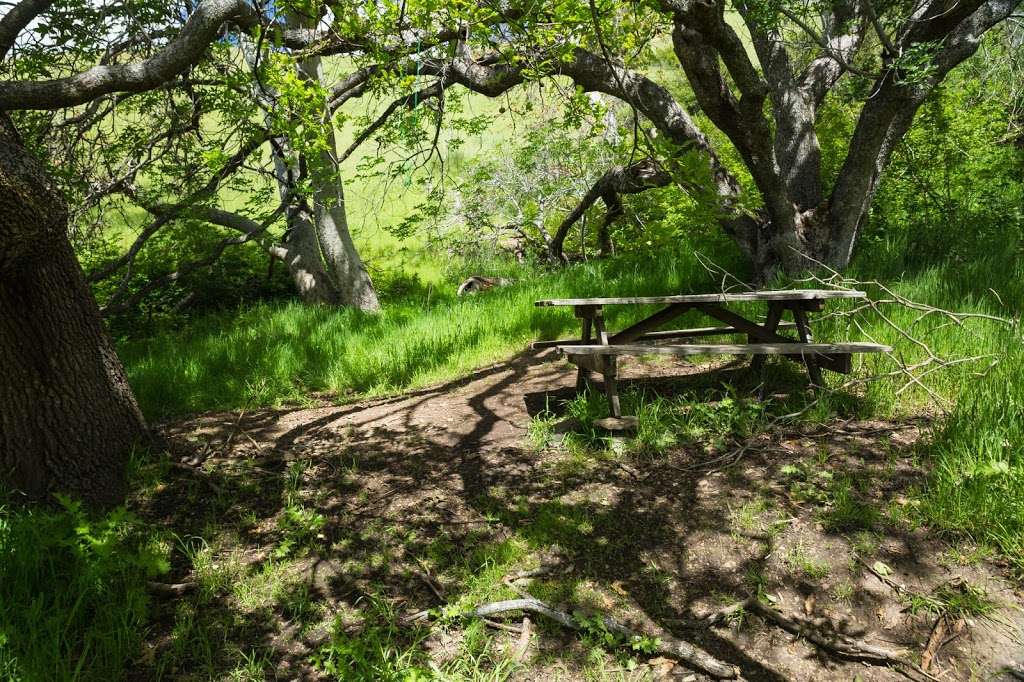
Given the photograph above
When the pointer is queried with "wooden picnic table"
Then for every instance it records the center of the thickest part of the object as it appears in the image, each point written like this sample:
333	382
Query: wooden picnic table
597	349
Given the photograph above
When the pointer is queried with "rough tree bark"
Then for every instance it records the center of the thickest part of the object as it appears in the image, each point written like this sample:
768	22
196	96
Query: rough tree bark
68	419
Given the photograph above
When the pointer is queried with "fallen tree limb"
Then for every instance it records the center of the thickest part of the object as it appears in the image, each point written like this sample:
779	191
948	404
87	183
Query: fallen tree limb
667	645
170	589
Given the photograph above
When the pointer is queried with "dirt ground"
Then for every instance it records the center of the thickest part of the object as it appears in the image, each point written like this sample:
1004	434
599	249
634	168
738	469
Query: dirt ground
659	542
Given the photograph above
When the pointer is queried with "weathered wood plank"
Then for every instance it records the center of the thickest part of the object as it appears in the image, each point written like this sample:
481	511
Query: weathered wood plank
761	334
781	295
666	334
651	323
796	349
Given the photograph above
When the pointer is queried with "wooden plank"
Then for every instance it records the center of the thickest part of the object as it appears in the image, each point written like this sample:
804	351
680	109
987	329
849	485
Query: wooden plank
759	333
804	330
583	374
778	295
742	324
590	363
795	349
667	334
610	370
771	324
651	323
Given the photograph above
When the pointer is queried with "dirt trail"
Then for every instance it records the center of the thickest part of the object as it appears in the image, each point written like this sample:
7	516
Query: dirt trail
490	408
654	541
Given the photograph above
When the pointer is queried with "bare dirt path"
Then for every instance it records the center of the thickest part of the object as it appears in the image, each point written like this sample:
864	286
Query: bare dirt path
436	479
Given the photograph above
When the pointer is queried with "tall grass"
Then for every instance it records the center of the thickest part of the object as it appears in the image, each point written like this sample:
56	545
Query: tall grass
977	482
274	353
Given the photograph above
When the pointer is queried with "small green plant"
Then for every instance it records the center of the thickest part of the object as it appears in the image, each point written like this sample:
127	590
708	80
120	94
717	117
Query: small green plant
806	483
381	650
73	595
846	510
798	559
843	591
300	530
955	598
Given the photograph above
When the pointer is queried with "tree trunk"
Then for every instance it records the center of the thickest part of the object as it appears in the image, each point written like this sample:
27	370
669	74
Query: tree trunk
330	222
319	252
68	419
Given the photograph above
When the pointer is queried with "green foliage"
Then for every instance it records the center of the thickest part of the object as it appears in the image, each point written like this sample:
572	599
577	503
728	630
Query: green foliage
848	511
977	459
953	191
73	603
383	649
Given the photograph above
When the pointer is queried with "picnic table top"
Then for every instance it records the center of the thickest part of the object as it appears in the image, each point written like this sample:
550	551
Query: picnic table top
778	295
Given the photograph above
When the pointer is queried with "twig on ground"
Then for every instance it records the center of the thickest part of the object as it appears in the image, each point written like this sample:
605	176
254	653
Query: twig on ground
497	625
170	589
198	474
935	638
896	587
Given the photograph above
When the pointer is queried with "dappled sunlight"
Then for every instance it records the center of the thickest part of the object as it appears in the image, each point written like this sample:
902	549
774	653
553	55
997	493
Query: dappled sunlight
331	524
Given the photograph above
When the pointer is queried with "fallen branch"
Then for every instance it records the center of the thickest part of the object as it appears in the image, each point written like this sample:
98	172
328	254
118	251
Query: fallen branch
170	589
937	639
667	645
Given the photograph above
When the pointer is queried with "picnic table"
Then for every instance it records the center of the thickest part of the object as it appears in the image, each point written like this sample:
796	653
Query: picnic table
597	349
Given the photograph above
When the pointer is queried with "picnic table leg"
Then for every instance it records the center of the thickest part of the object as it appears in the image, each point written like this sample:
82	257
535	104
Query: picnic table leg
771	324
611	386
804	329
582	373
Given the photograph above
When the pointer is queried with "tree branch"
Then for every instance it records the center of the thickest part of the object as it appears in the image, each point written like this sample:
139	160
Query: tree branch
15	21
163	217
201	29
249	228
632	179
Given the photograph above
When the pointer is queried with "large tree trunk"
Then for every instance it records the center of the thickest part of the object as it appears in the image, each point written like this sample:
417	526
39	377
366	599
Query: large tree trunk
68	419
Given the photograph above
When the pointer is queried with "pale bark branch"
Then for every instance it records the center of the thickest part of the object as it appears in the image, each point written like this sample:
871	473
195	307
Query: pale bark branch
165	216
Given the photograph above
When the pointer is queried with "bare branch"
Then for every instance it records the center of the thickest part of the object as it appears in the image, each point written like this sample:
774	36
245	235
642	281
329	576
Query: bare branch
250	230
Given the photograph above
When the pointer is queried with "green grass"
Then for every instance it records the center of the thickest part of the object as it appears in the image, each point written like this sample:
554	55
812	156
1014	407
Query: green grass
270	354
73	603
977	481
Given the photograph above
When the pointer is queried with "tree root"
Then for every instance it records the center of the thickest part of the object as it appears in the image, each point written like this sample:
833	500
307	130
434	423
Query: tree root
829	640
667	645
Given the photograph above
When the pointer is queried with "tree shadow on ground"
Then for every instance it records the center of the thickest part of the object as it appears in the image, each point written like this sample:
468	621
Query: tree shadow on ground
430	497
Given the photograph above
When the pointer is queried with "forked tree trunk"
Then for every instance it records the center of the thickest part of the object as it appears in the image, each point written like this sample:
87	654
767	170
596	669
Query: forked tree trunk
68	419
330	221
321	257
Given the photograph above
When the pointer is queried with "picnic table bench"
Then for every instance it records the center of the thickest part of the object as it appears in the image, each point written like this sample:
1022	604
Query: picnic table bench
597	349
